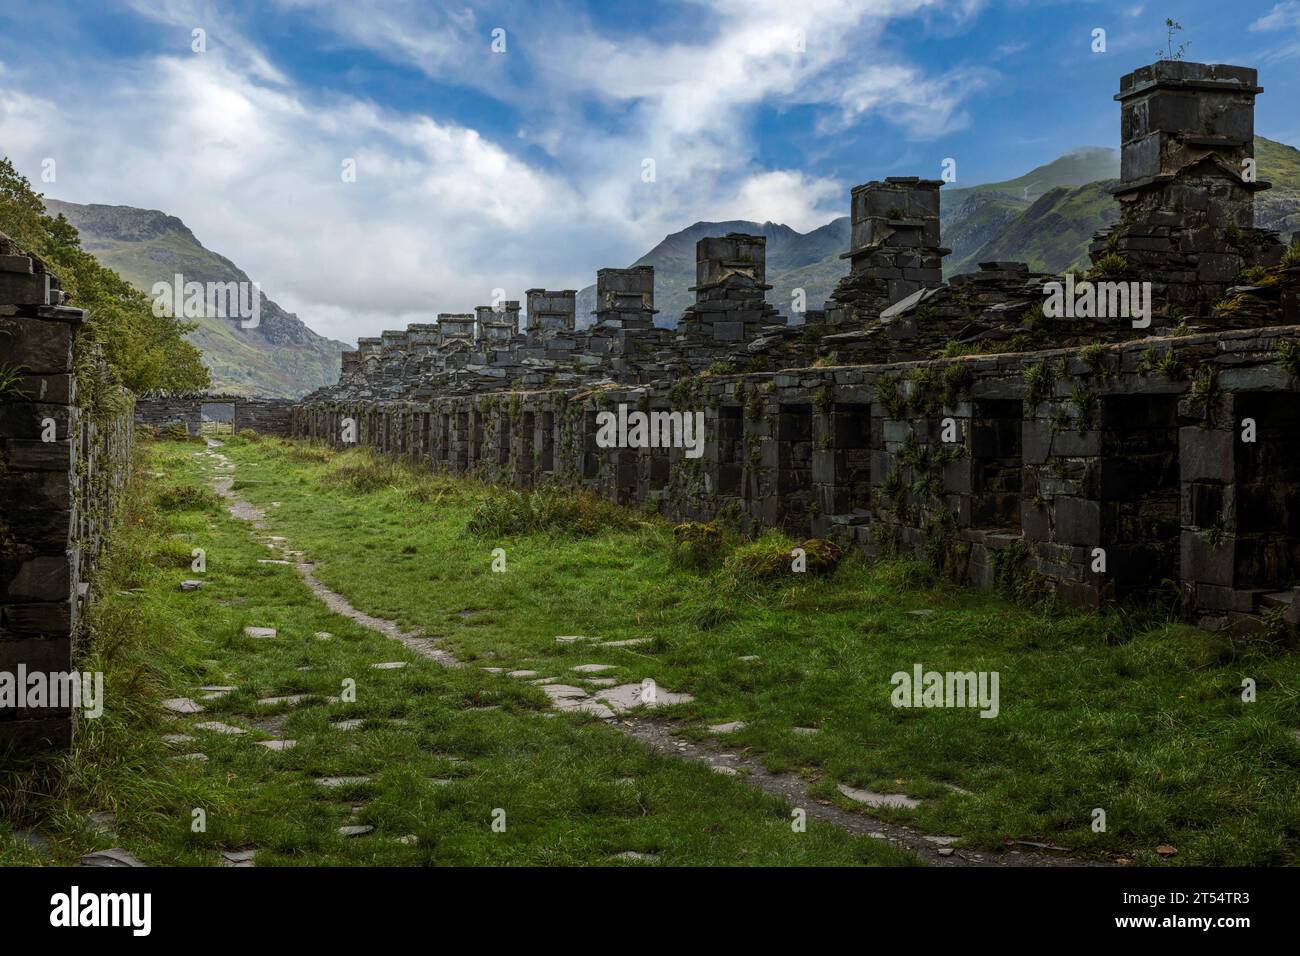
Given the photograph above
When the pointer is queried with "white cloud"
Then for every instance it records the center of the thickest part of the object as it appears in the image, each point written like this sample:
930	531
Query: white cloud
1282	15
440	215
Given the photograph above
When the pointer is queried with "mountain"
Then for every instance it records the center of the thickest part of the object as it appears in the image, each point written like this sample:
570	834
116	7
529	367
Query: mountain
1052	234
1046	218
1278	208
280	358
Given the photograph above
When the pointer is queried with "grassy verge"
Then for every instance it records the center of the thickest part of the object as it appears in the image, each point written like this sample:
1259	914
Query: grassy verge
1150	727
441	750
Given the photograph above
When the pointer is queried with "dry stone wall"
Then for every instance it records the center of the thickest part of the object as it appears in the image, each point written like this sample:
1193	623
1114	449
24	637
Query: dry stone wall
1008	470
267	416
62	471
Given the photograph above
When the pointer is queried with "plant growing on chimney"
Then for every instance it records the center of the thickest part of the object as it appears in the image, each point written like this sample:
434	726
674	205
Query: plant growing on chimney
1172	28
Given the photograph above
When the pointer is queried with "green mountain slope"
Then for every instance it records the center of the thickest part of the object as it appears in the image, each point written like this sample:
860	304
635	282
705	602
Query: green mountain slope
1053	233
281	357
1077	167
1278	208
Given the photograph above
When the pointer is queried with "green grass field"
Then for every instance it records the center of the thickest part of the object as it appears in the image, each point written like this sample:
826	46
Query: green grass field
1147	724
443	749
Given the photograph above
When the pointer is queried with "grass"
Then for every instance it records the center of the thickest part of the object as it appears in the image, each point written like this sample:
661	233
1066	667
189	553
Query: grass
443	748
1148	725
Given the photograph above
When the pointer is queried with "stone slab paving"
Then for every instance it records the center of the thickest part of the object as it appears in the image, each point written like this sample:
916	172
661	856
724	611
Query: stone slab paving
730	727
333	782
183	705
873	799
277	744
259	632
624	697
217	727
115	856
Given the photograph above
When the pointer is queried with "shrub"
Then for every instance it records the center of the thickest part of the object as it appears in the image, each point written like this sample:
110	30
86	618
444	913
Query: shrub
188	498
771	557
696	547
823	556
176	431
551	509
308	451
365	473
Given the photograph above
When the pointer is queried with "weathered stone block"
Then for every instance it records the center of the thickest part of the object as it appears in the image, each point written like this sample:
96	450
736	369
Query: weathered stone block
1206	454
1077	521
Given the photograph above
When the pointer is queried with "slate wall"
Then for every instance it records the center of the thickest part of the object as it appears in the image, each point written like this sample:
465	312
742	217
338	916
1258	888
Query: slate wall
269	416
1006	470
62	472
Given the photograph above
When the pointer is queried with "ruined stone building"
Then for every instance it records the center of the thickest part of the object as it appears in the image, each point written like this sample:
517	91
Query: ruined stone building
1093	455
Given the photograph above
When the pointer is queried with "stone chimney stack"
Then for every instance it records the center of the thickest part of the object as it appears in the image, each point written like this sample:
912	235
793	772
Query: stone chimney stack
393	340
895	235
894	247
1187	186
456	325
730	274
497	327
550	311
423	338
625	298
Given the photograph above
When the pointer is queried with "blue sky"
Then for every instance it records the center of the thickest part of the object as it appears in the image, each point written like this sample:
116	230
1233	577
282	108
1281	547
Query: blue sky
480	170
